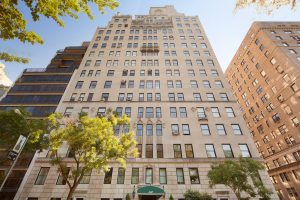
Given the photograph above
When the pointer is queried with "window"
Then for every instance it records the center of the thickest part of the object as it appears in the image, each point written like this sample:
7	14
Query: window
162	176
194	176
185	129
140	150
210	63
61	180
107	84
205	129
41	178
171	96
177	151
108	176
215	112
210	97
149	151
236	129
244	150
79	85
149	129
159	129
189	151
182	111
105	96
158	112
93	84
219	84
206	84
121	175
139	130
229	112
86	177
197	97
180	176
210	151
194	84
223	97
135	176
221	129
175	129
159	151
227	150
149	176
149	112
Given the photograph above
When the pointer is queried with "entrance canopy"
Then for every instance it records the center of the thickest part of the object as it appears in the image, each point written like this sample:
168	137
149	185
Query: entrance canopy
150	190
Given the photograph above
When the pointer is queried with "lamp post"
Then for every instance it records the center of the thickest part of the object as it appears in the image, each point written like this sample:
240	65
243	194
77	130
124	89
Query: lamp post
19	145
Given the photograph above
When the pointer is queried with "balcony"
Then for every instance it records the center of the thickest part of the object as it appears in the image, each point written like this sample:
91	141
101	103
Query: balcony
149	49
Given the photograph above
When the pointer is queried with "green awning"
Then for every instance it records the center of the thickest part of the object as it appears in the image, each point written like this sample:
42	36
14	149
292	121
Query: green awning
150	190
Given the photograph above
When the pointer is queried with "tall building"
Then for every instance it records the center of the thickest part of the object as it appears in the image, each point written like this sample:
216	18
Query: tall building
160	70
264	76
5	82
39	91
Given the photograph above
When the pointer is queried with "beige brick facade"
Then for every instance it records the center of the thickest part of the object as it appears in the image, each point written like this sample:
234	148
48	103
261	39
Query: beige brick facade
264	76
152	41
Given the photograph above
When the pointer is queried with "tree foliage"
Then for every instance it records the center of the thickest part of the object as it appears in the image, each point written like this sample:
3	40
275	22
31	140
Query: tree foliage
14	26
92	142
195	195
171	197
127	197
12	125
236	175
267	5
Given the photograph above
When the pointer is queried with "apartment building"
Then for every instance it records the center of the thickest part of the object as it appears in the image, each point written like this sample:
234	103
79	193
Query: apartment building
264	75
160	70
39	91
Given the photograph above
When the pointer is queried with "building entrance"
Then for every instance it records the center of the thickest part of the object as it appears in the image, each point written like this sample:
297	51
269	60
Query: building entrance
149	197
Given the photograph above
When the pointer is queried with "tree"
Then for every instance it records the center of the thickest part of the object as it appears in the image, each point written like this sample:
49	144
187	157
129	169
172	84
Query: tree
93	144
195	195
171	197
127	197
268	5
236	174
12	125
14	26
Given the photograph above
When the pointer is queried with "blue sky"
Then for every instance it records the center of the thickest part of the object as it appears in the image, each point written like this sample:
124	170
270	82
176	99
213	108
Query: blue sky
225	29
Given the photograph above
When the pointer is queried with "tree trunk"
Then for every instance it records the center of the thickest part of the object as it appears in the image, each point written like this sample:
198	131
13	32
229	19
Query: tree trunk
71	191
238	195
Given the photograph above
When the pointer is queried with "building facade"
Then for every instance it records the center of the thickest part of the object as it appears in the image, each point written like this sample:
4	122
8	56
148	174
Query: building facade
264	76
39	91
160	70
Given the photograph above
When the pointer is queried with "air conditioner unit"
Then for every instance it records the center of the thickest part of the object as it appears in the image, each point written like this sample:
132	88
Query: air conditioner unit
80	99
129	99
202	118
175	132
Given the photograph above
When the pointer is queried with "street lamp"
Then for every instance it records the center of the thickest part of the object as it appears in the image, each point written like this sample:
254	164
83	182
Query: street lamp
17	150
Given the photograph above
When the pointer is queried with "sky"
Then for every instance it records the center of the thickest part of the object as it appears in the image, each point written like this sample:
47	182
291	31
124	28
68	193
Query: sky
224	27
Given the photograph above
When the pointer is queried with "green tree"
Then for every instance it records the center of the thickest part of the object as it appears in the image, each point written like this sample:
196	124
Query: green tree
236	173
171	197
12	125
14	26
266	5
195	195
93	144
127	197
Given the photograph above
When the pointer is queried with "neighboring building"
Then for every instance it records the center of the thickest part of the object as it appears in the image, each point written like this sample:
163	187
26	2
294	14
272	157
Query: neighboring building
160	70
265	78
39	91
5	82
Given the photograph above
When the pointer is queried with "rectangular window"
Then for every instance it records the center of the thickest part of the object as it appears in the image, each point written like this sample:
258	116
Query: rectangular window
189	151
149	129
139	130
210	151
205	129
173	112
230	112
108	176
227	150
149	176
244	150
159	151
185	129
86	177
194	176
41	178
159	129
221	129
236	129
121	175
162	176
180	176
61	180
177	151
135	176
182	111
149	151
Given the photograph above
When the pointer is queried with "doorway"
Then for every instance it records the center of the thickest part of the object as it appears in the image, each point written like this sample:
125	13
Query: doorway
148	197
